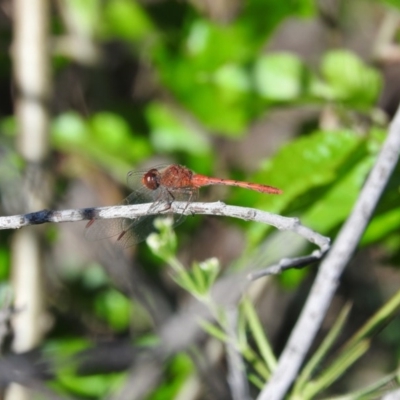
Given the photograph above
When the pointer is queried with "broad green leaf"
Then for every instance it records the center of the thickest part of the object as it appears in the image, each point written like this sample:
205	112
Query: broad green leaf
309	162
307	171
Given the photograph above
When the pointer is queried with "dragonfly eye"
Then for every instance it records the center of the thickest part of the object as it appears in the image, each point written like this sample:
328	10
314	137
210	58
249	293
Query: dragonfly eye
150	179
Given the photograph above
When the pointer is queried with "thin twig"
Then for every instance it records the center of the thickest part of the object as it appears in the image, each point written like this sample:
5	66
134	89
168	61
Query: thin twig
217	208
237	378
331	268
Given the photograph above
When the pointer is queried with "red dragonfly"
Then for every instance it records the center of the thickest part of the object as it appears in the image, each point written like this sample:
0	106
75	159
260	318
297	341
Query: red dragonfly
161	186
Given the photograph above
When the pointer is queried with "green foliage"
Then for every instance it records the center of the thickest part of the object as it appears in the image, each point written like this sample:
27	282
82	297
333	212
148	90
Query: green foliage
350	80
199	280
105	138
125	20
115	309
4	264
169	133
177	373
319	173
174	84
280	77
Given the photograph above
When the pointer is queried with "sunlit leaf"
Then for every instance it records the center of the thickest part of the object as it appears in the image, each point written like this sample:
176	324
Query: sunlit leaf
126	19
280	77
115	308
170	133
350	79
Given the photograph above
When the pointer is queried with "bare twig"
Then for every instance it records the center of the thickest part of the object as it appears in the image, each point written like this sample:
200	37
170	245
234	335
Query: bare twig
331	268
217	208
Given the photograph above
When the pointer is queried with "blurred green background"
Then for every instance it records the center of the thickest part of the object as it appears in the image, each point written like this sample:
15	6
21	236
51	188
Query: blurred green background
294	94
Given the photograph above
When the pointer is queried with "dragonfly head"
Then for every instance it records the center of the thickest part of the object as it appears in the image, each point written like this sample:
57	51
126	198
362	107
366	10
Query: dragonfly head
151	179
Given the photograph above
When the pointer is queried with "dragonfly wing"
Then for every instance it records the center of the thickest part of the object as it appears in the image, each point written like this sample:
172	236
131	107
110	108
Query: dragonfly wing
127	232
97	229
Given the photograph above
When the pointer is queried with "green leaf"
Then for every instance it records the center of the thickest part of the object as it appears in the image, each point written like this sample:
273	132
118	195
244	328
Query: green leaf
69	130
309	162
163	242
321	353
394	3
85	15
106	138
4	263
335	370
94	277
350	79
333	207
170	133
381	225
232	77
214	331
115	308
94	385
180	368
259	335
126	19
201	276
280	77
313	170
218	98
66	347
110	131
386	219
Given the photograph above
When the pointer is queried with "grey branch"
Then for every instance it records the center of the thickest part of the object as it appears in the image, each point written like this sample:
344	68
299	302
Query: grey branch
332	267
217	208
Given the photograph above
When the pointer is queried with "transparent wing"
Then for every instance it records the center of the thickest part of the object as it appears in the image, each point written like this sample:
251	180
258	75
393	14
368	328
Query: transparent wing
125	231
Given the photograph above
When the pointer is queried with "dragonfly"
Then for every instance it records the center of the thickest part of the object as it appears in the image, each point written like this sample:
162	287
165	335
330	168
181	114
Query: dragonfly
161	186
